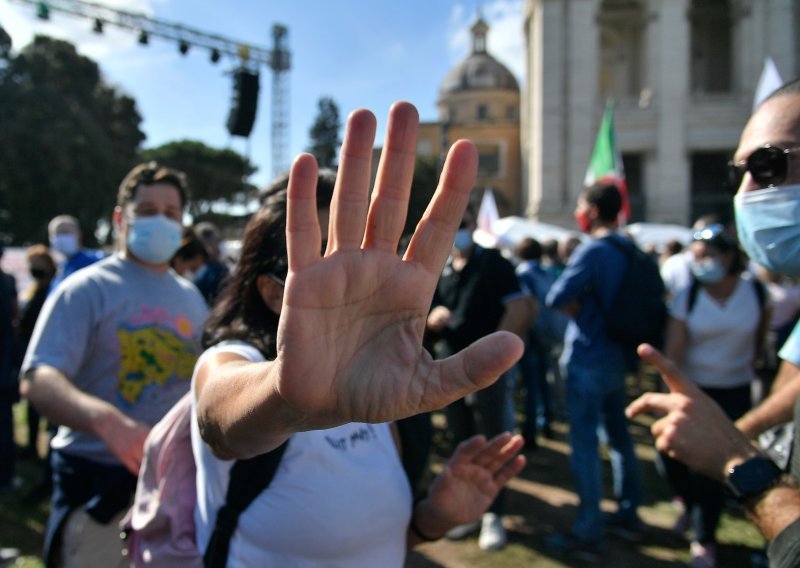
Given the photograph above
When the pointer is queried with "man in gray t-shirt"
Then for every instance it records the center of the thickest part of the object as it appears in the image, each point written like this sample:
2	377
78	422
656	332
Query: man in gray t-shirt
114	347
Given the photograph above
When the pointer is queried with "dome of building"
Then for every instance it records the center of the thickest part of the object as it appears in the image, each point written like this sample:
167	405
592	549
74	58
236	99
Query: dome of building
479	70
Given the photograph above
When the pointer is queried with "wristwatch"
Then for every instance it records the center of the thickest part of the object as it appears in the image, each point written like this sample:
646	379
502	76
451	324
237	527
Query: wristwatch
752	477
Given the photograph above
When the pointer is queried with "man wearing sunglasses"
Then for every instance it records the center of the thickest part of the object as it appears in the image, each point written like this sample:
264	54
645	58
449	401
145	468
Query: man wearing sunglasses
695	430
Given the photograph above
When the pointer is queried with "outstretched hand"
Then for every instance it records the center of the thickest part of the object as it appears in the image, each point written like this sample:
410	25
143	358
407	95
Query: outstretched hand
472	478
694	429
351	326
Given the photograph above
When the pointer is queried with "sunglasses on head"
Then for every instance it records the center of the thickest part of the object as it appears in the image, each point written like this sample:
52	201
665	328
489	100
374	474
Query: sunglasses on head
708	233
768	166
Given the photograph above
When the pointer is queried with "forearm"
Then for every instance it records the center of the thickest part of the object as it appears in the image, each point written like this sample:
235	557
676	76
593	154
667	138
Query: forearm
61	402
240	411
776	509
778	407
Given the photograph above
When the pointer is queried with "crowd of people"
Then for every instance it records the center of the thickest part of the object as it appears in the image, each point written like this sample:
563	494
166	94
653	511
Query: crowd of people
335	336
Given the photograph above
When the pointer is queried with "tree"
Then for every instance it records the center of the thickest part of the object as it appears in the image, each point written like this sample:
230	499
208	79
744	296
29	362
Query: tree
66	141
325	133
214	175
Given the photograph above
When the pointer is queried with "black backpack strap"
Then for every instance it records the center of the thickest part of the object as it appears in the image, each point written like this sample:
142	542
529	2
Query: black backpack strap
248	479
694	288
761	292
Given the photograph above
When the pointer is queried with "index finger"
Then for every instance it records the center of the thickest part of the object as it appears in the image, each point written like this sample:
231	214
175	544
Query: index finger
675	380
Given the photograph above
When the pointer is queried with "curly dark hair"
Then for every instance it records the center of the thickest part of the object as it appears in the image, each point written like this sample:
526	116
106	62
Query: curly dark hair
240	312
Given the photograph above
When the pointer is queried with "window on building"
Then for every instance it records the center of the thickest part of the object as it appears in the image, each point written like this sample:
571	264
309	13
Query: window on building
483	112
711	46
488	160
622	29
711	190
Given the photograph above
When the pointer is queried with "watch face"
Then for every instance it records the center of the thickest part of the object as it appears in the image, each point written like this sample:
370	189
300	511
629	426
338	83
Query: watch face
753	477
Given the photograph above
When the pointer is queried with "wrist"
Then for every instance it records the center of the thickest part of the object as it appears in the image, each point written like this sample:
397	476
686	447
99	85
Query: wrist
425	522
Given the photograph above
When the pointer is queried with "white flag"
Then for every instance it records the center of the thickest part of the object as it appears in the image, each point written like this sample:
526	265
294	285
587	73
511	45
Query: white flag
769	81
487	214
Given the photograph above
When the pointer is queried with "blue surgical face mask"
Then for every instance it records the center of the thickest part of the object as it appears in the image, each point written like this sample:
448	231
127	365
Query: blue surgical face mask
768	223
65	243
707	270
463	239
154	239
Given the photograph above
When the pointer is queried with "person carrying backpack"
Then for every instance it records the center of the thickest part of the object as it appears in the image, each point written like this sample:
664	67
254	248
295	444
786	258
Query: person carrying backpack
323	352
595	375
715	334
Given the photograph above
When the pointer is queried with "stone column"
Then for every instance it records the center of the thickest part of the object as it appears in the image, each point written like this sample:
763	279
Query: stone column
669	197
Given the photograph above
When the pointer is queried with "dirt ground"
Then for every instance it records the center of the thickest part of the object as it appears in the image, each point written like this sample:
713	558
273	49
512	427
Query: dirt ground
541	502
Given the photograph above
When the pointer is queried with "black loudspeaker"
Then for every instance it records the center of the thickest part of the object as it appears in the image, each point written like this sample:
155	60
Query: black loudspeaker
244	103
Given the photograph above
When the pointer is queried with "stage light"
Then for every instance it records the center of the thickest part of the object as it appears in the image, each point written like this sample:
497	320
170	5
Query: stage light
98	26
144	39
215	55
183	47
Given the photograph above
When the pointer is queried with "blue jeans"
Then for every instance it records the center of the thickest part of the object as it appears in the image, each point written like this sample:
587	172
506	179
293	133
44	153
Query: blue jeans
533	366
595	398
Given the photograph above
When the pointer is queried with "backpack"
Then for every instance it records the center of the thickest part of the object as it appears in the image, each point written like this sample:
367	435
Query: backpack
159	528
638	313
550	325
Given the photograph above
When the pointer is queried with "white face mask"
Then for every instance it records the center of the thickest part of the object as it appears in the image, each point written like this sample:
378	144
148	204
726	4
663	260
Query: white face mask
154	239
65	243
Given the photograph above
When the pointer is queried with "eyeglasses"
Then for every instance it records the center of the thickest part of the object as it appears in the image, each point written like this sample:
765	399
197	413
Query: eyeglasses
768	165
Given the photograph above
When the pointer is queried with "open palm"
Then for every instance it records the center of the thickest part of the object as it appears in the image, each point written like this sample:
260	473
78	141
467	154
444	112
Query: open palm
350	335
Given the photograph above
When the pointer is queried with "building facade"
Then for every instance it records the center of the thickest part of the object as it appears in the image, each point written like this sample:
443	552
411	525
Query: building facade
479	99
682	74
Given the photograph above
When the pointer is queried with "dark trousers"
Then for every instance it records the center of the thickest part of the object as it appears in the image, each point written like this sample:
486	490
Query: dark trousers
481	412
7	448
705	497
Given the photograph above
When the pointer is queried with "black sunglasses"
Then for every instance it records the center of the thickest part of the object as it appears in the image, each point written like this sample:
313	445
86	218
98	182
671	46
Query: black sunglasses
769	166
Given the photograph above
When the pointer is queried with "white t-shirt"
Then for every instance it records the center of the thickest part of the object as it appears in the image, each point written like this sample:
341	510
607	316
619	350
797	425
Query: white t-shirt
675	272
340	497
722	338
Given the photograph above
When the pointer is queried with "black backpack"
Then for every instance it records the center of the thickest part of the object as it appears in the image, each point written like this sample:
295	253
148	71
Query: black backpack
638	313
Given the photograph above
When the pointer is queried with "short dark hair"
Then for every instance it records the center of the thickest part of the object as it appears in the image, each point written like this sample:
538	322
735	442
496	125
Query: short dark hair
529	249
150	173
191	246
606	198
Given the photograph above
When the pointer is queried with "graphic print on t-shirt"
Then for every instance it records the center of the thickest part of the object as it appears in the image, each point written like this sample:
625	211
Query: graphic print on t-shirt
156	348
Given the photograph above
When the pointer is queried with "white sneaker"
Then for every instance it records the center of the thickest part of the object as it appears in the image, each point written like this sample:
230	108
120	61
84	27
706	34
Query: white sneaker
493	535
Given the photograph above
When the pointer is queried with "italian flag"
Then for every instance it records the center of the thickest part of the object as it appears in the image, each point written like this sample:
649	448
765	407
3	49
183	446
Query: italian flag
605	166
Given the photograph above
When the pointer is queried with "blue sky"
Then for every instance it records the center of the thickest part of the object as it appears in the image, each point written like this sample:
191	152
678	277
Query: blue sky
362	53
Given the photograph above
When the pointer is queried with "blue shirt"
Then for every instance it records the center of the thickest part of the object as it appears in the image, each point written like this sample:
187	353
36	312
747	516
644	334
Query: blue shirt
791	349
80	259
592	277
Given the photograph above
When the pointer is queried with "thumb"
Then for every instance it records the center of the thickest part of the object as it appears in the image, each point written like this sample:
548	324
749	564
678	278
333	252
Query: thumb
479	365
675	380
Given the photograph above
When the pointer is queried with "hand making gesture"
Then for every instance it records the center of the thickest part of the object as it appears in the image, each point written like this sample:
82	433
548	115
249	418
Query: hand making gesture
350	334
